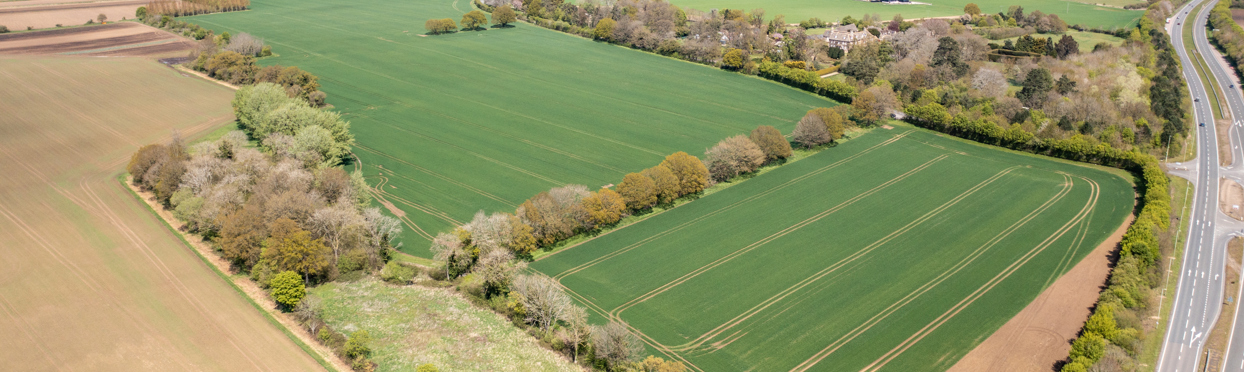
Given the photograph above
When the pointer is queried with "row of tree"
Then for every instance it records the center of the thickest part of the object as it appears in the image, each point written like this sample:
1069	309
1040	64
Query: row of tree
178	8
1227	35
502	16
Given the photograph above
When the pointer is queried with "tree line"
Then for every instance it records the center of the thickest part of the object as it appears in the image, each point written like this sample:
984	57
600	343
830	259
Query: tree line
178	8
487	255
1123	137
283	213
1226	34
502	16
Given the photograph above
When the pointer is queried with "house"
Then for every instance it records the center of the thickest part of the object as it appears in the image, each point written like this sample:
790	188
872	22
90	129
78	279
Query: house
844	38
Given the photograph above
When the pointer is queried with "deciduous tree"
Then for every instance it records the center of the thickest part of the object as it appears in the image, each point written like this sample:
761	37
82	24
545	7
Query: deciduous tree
605	206
666	183
604	29
474	20
504	15
542	298
811	132
616	344
691	173
290	248
733	156
771	141
638	191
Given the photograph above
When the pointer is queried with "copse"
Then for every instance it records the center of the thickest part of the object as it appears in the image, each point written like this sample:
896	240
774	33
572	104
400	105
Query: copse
440	26
474	20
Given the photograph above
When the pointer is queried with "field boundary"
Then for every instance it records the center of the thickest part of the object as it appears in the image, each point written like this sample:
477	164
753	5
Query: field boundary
330	363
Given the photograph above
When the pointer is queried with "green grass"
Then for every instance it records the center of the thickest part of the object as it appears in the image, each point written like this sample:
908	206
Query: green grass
413	325
812	254
797	10
1202	70
1085	40
449	125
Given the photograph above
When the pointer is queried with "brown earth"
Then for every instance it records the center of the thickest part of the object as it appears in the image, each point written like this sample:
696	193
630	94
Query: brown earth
92	281
117	39
1238	16
1231	198
39	14
1036	338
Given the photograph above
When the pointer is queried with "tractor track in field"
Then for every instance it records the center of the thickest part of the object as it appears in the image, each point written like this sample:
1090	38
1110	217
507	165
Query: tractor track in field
617	312
945	275
438	175
1081	217
678	227
775	299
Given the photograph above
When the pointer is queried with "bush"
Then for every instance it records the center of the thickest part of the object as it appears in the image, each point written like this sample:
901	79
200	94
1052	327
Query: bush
4	29
246	45
772	142
733	156
811	131
288	289
359	345
807	80
396	273
265	51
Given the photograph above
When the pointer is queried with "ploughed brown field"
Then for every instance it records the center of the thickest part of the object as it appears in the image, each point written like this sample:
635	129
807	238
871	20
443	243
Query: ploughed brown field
92	280
115	39
17	15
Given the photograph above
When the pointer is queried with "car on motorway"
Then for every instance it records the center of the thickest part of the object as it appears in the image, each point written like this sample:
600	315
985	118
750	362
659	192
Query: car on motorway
1202	124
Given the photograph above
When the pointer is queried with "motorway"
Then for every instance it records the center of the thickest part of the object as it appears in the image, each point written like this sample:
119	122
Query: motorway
1198	294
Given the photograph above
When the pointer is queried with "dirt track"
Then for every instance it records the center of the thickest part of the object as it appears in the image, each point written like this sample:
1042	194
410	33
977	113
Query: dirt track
118	39
1037	337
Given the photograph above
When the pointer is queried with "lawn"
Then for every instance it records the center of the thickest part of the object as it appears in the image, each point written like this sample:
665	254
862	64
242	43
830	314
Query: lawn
797	10
899	250
452	124
93	280
1085	40
411	326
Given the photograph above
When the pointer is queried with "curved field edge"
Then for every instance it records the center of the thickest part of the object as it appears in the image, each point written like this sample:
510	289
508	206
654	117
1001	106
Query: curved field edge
454	124
122	179
1119	183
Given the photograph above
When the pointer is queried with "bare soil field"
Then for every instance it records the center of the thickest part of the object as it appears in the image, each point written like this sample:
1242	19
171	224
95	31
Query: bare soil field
1037	337
18	15
1238	16
93	280
117	39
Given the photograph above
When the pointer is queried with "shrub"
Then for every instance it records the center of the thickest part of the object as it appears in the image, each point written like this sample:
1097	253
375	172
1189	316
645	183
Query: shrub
288	289
427	368
3	29
358	346
396	273
265	51
141	12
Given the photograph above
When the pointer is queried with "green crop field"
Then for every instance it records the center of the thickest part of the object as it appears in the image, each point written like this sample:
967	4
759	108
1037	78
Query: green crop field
899	250
452	124
1072	12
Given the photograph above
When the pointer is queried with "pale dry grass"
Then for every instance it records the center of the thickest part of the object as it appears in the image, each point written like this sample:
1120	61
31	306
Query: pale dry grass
413	325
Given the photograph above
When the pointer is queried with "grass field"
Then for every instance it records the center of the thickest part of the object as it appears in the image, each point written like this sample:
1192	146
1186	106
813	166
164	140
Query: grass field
93	281
899	250
1085	40
1084	13
413	325
449	125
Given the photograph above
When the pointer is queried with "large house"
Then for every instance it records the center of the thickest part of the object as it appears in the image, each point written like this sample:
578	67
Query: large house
845	37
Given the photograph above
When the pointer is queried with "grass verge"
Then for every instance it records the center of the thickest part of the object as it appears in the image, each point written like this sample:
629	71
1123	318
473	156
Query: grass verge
1179	202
